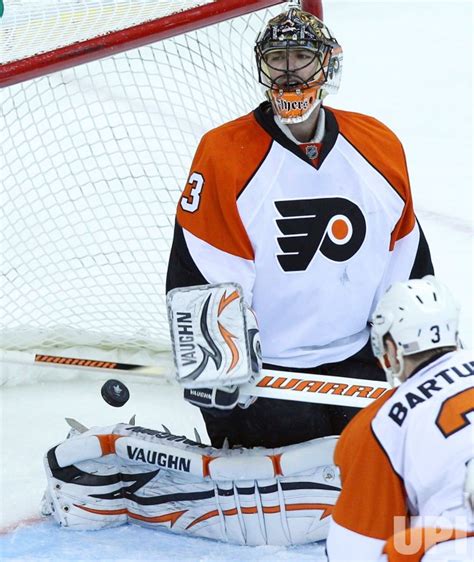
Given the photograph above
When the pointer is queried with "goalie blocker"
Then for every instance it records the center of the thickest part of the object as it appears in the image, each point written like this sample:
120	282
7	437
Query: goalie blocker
110	476
216	343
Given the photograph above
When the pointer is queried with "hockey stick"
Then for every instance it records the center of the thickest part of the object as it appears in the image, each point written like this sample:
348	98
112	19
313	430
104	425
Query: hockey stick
320	389
282	385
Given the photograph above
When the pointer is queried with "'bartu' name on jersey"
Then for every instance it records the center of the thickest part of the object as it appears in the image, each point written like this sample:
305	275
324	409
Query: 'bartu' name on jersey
399	411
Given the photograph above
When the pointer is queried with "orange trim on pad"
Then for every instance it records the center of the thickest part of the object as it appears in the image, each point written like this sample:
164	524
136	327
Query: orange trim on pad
107	443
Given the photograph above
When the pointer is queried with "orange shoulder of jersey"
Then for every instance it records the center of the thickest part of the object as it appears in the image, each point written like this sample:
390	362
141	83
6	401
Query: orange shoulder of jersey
225	161
383	150
372	492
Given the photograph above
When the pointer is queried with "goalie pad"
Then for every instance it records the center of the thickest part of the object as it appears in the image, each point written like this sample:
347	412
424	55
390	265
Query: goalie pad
114	475
214	336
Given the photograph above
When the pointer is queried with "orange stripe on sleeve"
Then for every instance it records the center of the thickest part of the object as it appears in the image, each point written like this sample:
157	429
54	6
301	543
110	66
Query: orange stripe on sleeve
226	158
382	149
372	493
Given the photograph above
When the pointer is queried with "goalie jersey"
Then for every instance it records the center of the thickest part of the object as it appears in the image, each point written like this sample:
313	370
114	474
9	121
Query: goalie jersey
406	455
314	244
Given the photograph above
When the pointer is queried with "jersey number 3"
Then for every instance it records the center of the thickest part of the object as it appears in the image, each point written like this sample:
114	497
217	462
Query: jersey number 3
192	197
452	416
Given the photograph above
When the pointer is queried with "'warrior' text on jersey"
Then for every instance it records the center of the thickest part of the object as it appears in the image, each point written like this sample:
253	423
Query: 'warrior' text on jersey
314	247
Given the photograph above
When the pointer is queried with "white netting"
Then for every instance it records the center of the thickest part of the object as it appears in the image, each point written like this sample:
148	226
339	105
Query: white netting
29	27
94	160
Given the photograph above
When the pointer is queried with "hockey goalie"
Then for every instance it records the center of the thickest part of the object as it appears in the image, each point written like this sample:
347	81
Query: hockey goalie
108	476
309	210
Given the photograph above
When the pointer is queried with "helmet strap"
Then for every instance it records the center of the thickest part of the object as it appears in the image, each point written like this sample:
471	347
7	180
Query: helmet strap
394	375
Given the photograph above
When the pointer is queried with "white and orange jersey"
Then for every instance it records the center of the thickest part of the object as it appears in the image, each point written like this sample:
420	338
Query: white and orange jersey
405	456
313	246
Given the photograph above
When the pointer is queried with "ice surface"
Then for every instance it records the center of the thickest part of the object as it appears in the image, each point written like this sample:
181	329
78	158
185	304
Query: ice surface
407	63
46	542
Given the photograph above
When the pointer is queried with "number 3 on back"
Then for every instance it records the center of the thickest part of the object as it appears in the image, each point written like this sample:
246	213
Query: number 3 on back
190	202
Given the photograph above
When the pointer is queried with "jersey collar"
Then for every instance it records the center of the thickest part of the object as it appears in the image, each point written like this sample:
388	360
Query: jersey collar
264	117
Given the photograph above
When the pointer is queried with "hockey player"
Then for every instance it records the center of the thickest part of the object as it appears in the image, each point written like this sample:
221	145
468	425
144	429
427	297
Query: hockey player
309	209
409	454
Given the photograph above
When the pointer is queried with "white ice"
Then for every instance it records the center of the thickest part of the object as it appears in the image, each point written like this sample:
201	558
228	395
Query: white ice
407	63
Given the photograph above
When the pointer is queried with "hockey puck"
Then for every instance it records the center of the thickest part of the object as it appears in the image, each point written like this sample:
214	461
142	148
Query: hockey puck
115	393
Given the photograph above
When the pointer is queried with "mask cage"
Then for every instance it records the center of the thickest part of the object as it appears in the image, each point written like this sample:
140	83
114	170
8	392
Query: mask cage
288	78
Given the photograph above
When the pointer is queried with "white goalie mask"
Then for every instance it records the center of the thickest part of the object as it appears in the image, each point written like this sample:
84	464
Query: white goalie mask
419	314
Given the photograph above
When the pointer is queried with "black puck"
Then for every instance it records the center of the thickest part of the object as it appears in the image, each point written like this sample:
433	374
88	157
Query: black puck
115	393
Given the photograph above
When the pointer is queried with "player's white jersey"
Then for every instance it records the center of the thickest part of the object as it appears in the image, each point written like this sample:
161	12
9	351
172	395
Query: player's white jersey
426	431
314	245
412	447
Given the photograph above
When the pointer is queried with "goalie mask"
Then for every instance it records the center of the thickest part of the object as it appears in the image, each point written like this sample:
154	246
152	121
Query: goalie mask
420	315
299	62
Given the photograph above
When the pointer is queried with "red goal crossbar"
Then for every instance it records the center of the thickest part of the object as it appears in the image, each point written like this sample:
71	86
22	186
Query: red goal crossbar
134	37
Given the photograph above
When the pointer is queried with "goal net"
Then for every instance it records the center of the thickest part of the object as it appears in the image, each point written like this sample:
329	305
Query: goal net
103	105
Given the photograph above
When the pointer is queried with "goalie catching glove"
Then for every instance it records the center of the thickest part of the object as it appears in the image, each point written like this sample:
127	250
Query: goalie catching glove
216	344
109	476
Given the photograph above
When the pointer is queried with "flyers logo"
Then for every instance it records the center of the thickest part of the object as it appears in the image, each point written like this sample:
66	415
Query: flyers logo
333	226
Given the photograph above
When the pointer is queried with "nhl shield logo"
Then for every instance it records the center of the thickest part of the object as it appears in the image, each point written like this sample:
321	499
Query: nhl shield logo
312	152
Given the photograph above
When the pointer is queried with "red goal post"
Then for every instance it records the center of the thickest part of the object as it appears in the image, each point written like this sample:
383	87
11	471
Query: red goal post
99	134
